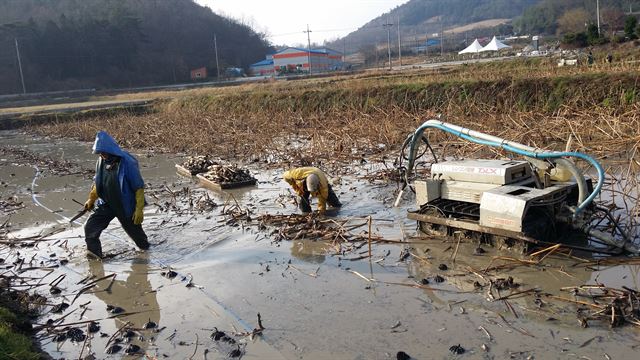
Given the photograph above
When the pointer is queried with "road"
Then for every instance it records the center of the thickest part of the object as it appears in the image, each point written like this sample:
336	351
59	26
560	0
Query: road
451	63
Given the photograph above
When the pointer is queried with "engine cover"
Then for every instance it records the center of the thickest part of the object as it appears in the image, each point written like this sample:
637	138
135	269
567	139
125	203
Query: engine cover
496	172
506	206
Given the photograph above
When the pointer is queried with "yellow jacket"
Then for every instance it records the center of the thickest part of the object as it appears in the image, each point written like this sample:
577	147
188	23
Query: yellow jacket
296	178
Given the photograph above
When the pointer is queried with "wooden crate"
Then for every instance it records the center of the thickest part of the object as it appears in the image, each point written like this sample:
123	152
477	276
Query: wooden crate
181	170
220	186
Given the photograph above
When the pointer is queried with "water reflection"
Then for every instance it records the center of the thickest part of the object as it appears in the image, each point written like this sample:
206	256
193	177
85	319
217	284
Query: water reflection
134	295
468	267
309	250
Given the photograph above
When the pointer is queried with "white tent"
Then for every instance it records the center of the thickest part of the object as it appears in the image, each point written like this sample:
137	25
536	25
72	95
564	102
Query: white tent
494	45
475	47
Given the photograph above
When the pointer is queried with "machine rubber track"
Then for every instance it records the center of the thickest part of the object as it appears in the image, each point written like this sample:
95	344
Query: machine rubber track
539	224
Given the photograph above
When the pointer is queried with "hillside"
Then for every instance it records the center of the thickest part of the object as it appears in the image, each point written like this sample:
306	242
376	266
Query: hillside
419	18
543	17
70	44
462	20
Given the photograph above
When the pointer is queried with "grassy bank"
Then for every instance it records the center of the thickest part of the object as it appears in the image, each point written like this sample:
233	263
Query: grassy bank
531	101
525	85
15	328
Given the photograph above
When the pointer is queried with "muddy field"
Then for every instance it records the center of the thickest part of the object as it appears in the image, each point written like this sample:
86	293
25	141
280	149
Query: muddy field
234	262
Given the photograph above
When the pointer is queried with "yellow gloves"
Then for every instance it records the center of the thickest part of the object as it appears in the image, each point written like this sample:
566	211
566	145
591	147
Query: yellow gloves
93	196
138	214
293	184
299	189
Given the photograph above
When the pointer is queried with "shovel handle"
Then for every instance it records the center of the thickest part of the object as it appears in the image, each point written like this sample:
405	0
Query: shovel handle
80	213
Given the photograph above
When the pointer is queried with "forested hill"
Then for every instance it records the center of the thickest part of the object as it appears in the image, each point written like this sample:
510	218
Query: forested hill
71	44
548	16
429	16
419	18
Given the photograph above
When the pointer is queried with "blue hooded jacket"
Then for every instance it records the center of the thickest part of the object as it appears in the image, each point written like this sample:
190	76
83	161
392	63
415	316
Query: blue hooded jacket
128	171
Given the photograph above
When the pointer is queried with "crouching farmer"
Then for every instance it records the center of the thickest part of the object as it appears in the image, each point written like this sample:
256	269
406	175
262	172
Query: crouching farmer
118	192
311	181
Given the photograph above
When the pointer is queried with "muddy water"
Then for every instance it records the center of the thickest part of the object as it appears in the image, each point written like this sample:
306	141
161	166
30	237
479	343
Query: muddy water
314	304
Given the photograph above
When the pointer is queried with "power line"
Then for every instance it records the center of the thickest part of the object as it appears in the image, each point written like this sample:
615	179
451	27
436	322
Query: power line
329	30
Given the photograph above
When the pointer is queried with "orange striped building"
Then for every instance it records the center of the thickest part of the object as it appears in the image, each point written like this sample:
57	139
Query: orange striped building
296	60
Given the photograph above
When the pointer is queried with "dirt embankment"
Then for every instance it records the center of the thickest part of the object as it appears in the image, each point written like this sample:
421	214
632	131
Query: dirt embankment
17	308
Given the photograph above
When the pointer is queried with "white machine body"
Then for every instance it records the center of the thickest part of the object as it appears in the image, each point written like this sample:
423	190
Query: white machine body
503	191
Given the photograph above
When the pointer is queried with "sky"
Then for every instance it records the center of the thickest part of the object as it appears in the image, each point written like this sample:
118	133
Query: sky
286	20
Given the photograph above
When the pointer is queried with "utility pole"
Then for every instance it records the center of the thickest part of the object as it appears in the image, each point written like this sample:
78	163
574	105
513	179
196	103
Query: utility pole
24	89
215	45
598	14
309	46
173	69
344	50
426	46
388	27
399	43
441	38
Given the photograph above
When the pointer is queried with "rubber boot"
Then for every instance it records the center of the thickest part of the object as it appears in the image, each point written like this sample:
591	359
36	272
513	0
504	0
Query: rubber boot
332	199
304	205
94	248
135	232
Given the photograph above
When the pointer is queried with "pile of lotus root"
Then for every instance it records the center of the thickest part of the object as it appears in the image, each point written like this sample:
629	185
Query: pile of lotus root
222	174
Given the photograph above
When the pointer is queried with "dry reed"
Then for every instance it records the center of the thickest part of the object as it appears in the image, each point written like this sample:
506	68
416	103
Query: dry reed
334	121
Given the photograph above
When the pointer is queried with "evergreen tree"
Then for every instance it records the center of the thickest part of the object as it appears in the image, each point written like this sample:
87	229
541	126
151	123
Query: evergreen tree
70	44
630	24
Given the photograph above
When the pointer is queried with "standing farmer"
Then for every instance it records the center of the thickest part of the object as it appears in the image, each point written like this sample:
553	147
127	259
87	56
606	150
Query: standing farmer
119	190
311	181
590	58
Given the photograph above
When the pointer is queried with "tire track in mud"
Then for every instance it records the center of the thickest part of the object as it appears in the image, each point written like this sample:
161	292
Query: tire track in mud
221	307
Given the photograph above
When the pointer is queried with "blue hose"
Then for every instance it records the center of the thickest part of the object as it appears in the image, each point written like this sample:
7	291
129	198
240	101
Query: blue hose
543	155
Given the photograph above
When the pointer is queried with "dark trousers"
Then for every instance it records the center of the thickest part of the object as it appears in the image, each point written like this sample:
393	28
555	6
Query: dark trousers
305	205
100	219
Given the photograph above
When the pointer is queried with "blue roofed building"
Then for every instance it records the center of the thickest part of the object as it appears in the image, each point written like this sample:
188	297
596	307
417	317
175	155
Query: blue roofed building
297	60
292	60
262	68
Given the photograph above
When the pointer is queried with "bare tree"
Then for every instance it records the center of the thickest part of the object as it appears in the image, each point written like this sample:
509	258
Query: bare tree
369	53
613	18
573	21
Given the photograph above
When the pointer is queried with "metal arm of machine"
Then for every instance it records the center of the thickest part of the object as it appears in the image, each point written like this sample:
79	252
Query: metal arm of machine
517	148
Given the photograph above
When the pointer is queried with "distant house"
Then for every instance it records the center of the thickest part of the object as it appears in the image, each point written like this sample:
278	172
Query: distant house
262	68
297	60
424	48
293	60
199	74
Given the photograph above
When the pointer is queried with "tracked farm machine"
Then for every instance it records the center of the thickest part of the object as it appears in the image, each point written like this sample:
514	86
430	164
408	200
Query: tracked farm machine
544	198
